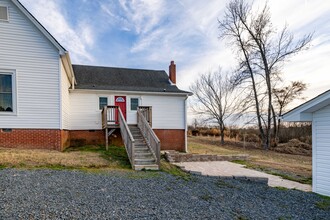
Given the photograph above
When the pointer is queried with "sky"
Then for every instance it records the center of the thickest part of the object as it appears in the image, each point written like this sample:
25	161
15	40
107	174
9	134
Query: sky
148	34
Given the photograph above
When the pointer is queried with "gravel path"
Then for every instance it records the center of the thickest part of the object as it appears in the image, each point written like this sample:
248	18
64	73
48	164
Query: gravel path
50	194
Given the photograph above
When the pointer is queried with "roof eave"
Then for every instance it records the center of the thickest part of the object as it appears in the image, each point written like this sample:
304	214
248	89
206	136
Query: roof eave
132	92
68	68
303	112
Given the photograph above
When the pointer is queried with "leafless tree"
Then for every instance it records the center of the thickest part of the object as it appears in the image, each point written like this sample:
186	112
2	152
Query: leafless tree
261	53
283	96
214	99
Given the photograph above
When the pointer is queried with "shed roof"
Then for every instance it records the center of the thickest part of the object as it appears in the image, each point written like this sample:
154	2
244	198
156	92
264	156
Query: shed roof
123	79
304	111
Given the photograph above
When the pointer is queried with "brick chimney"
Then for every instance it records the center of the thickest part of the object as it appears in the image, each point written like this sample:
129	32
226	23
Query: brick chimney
172	72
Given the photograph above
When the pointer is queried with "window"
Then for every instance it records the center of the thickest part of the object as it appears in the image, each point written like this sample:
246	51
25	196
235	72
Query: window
3	13
6	93
134	104
103	101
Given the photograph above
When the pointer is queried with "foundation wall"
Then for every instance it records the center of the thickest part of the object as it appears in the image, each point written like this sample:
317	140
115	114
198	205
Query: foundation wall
33	138
171	139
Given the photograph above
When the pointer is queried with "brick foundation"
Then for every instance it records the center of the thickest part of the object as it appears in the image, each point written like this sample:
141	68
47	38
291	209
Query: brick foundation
80	138
34	139
52	139
171	139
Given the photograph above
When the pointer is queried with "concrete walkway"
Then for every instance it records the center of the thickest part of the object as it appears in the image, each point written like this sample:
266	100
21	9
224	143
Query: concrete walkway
229	169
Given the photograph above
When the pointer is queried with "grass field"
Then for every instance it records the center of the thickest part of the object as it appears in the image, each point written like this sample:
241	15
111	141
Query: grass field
87	158
289	166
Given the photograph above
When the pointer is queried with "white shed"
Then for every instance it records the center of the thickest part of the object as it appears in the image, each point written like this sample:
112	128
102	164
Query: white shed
317	111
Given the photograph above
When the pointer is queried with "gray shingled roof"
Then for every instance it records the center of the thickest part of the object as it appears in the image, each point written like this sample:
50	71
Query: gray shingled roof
123	79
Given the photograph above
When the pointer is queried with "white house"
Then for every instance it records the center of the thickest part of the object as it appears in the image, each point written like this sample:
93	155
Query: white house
317	111
46	102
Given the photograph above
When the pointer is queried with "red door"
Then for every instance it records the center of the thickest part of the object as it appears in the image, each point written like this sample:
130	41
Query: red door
121	102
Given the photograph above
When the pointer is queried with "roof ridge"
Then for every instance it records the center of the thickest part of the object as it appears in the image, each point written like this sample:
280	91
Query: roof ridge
114	67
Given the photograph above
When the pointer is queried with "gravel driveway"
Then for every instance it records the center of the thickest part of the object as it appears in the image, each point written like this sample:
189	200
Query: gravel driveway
50	194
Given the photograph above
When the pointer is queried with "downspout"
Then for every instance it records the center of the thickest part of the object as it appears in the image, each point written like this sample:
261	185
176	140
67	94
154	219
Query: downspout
185	124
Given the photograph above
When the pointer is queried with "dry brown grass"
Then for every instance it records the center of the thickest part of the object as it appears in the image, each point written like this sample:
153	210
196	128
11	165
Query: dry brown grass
295	166
44	158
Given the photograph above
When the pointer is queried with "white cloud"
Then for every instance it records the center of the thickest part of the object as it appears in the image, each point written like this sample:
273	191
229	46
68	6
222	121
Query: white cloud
139	16
75	39
186	31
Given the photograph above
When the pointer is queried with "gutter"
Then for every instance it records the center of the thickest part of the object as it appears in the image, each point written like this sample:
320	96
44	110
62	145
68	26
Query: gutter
130	92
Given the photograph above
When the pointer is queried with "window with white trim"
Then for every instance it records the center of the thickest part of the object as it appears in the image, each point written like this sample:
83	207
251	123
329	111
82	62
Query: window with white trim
7	84
134	104
4	13
103	101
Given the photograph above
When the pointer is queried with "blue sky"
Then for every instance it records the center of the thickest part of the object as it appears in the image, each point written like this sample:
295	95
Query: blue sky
149	34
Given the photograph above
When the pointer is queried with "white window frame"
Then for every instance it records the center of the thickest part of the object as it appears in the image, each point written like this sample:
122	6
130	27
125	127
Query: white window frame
130	99
14	90
98	101
7	7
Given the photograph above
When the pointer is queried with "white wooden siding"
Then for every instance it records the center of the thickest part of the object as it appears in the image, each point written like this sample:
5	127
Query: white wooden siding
167	111
65	99
321	151
132	115
26	50
84	111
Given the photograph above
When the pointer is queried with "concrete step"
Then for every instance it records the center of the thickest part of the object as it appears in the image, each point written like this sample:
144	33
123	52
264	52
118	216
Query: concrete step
146	167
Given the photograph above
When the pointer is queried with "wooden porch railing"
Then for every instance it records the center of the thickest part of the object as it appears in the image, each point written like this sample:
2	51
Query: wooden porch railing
149	135
127	138
146	111
109	116
112	116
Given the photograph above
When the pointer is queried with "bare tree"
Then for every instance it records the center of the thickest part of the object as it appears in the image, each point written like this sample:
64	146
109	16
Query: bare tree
213	99
261	51
283	96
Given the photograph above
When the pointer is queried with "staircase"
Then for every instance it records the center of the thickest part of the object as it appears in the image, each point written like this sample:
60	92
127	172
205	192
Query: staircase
143	157
141	143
